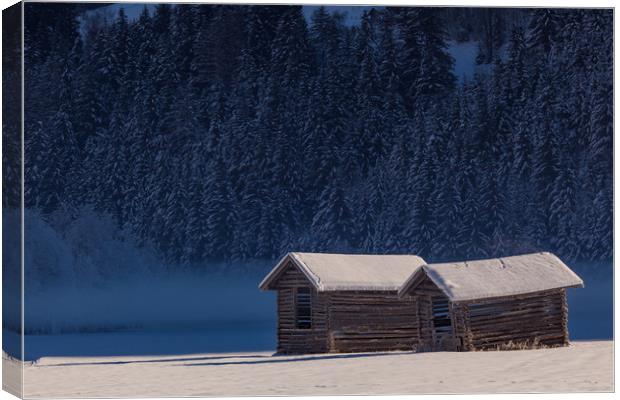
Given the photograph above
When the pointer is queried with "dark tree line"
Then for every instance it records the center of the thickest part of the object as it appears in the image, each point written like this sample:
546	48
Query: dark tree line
239	132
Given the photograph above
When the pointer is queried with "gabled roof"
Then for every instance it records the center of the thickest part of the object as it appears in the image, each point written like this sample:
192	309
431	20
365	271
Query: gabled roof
497	277
330	272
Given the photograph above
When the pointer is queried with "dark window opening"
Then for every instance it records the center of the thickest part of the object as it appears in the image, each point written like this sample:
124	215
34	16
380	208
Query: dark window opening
303	308
441	315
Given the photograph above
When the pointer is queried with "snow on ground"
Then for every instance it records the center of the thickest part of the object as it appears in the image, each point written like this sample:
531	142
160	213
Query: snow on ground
582	367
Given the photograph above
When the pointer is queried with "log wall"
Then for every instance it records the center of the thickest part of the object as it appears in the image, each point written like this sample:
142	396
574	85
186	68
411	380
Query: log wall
292	340
425	292
524	321
345	321
362	321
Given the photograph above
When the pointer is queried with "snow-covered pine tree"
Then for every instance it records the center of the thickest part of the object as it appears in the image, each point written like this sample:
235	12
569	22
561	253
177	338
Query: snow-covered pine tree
332	221
562	213
544	29
389	69
218	210
436	63
410	52
183	35
515	64
58	154
370	127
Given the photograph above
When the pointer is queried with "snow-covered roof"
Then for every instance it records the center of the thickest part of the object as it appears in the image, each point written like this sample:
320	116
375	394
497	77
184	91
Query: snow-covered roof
497	277
330	272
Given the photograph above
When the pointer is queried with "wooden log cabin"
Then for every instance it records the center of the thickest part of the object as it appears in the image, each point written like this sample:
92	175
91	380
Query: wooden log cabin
343	303
504	303
359	303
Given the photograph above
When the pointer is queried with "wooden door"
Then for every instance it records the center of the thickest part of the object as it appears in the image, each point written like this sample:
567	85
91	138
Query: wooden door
443	337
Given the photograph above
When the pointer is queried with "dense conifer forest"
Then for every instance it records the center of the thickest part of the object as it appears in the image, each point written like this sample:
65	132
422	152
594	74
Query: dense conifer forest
221	132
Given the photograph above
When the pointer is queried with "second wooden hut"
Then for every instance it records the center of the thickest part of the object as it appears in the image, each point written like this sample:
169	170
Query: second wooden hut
503	303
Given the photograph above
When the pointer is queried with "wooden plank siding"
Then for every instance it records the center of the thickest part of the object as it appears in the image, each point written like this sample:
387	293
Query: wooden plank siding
372	321
345	321
510	322
430	340
360	321
524	321
292	340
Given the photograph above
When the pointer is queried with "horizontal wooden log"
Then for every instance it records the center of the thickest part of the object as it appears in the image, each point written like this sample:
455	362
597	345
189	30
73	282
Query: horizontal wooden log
479	302
516	330
501	336
369	321
523	318
517	310
374	343
513	300
541	303
516	324
509	308
365	335
518	335
345	319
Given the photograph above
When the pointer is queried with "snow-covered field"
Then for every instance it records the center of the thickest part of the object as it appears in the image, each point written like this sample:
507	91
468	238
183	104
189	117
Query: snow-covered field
582	367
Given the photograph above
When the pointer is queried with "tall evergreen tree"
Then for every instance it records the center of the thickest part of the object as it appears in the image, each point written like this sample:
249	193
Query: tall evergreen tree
436	63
